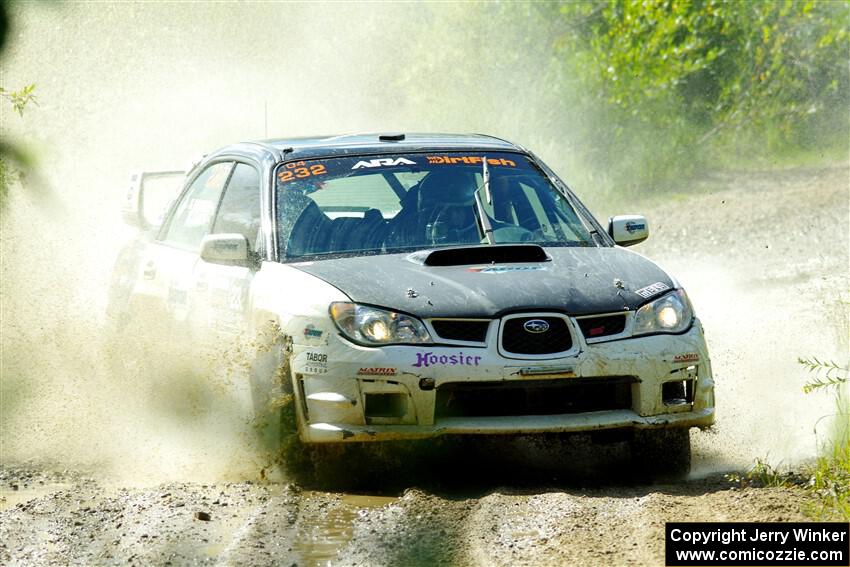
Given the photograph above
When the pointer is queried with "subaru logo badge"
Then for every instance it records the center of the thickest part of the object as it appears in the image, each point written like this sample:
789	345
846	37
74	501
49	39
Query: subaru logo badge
536	326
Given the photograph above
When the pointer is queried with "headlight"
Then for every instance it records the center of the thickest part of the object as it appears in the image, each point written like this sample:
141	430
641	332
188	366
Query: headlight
373	326
669	314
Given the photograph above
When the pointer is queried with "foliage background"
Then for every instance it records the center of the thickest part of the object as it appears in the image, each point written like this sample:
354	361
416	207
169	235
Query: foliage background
693	84
639	96
624	97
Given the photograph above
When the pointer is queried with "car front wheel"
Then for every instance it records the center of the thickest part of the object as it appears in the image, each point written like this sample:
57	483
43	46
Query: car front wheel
662	453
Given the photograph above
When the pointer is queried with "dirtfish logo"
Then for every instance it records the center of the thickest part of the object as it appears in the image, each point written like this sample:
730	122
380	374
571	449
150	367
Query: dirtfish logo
378	162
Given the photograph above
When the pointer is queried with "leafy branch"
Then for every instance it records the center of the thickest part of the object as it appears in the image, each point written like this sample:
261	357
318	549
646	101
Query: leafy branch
827	373
20	99
11	152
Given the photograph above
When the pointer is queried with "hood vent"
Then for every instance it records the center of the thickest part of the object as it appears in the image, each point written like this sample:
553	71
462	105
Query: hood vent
509	254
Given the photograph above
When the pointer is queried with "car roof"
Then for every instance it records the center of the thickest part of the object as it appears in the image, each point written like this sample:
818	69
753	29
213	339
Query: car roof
376	143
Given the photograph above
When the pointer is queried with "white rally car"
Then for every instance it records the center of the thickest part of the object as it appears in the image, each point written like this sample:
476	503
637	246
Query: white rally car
424	285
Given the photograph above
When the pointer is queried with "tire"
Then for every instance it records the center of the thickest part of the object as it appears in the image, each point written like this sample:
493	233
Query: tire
276	423
311	465
271	391
663	454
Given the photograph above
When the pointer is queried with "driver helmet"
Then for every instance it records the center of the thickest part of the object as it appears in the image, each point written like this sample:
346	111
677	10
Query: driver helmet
447	188
447	197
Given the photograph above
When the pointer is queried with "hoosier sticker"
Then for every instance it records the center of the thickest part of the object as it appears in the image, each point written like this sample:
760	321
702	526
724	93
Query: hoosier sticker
427	359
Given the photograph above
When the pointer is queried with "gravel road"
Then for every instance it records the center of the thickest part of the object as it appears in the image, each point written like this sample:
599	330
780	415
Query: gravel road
764	257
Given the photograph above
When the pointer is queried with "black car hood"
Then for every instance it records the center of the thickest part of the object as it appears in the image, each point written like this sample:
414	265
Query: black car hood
577	281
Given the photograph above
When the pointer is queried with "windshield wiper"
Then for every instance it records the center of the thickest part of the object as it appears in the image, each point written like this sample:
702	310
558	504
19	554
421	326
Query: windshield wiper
485	177
484	220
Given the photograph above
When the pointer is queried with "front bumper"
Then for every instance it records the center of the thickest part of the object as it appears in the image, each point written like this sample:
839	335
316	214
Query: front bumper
345	392
526	424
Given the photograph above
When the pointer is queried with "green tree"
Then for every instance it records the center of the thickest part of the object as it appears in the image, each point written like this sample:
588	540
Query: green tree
681	83
18	100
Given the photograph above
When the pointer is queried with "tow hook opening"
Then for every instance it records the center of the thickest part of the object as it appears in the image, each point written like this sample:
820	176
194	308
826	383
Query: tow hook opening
385	405
678	393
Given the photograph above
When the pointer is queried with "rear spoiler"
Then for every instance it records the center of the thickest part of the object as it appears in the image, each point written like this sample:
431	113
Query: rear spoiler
149	196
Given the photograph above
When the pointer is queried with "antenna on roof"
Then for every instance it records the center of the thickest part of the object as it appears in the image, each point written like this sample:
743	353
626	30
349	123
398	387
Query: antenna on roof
391	137
266	119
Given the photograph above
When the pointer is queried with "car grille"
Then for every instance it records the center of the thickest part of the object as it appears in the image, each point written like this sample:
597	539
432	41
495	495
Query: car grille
533	397
461	330
595	327
519	340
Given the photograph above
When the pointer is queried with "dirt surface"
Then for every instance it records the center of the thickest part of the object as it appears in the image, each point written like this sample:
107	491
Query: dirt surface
57	519
764	257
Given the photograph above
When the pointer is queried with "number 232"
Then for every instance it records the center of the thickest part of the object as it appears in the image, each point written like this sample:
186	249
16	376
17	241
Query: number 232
301	172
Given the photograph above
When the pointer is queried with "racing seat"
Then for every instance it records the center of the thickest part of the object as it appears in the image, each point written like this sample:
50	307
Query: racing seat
349	233
310	233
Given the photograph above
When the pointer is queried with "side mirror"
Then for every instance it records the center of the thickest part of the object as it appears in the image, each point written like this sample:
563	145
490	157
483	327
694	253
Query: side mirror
130	210
628	229
227	249
149	196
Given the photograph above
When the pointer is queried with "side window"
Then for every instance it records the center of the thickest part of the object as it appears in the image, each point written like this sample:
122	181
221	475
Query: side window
240	208
535	213
554	215
193	217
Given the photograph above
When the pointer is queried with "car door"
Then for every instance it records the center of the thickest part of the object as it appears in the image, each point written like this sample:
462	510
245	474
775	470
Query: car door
168	263
219	297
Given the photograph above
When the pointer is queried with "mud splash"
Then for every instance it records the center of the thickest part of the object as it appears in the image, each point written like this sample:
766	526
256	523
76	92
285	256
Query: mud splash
756	284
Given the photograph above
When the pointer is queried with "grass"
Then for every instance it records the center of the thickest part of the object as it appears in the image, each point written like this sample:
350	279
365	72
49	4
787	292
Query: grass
829	483
764	475
828	479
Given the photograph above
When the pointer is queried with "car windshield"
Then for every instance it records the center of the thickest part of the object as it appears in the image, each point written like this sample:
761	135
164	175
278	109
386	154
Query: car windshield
402	202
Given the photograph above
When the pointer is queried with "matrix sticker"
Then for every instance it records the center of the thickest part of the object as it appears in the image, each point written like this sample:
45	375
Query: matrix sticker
376	371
